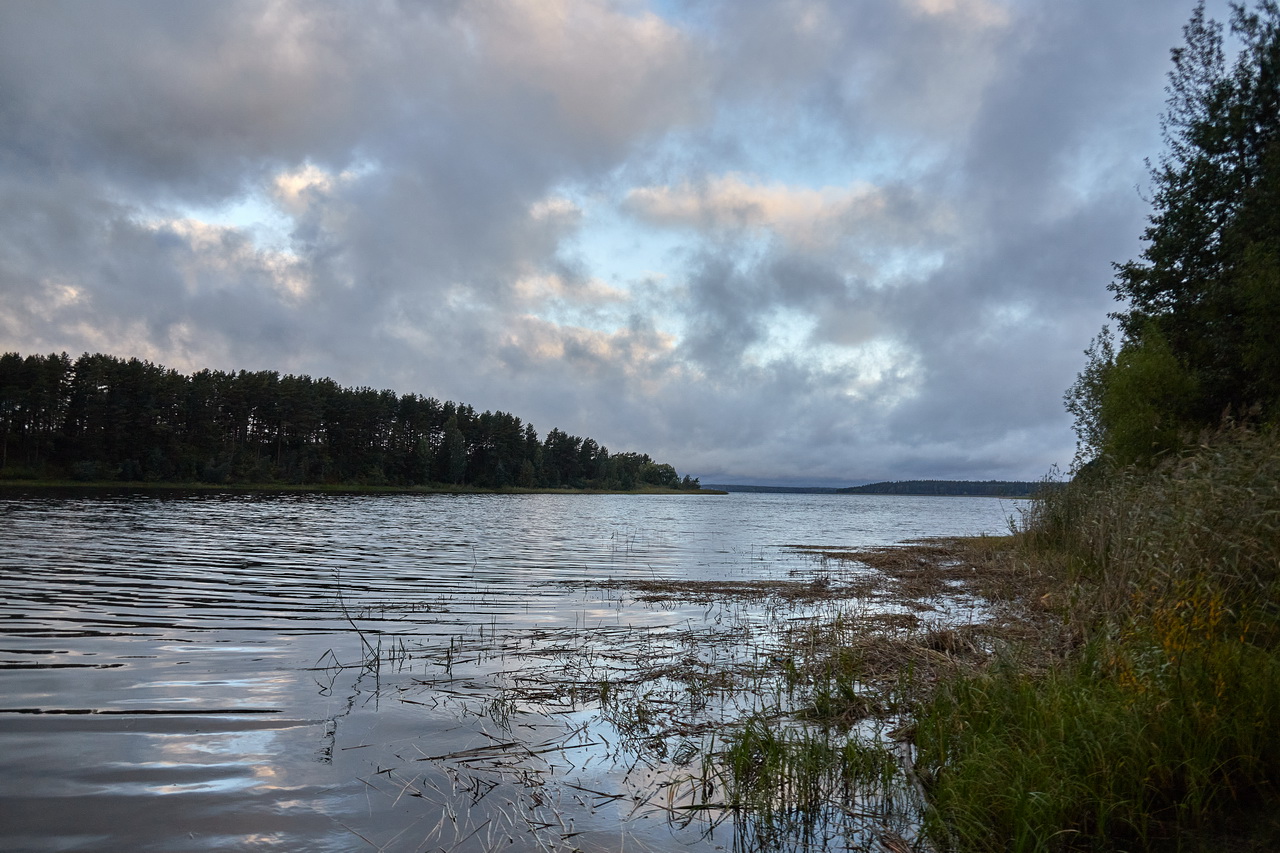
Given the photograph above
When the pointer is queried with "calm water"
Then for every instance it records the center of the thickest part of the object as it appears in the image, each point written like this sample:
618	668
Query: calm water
302	672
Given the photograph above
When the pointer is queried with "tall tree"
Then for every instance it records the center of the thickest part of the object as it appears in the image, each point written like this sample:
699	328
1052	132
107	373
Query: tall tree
1203	300
453	453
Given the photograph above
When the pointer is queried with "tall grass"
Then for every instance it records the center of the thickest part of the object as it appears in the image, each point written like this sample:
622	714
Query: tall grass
798	787
1161	719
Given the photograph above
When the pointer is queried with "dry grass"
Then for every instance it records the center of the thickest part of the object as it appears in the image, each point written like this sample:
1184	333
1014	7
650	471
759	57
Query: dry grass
984	565
872	615
785	711
820	588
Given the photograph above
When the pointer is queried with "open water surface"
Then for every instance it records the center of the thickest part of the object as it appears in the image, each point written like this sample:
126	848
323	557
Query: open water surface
183	672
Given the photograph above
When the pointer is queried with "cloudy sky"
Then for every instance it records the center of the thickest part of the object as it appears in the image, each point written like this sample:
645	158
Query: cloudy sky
819	241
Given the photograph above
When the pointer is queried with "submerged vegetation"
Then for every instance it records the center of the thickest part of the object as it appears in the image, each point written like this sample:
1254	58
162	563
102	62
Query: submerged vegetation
102	418
776	717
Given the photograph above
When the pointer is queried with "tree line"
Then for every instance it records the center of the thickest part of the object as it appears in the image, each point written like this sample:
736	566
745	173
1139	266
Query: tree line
101	417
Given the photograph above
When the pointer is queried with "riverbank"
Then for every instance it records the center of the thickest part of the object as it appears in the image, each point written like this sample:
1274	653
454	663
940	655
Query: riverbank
1142	715
334	488
1106	678
1120	694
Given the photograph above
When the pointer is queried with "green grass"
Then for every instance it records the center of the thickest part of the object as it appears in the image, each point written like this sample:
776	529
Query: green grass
1095	754
1156	727
772	768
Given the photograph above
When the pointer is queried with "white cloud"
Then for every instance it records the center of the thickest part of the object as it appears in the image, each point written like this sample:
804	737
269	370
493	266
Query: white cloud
540	288
976	13
601	69
555	208
298	190
220	257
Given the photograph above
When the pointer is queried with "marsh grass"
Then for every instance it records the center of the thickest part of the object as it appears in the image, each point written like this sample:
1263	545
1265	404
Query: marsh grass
810	786
1148	721
791	721
778	715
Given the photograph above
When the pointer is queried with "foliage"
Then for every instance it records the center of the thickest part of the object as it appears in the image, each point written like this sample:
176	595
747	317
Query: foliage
1084	398
1204	299
105	418
1147	398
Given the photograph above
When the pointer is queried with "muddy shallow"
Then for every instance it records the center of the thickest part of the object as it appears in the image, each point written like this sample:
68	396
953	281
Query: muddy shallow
310	672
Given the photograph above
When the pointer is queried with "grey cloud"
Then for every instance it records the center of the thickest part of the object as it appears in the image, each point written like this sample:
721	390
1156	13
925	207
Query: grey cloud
185	101
1005	146
725	312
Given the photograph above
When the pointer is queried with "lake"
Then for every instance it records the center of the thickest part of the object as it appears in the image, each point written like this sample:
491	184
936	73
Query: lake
207	671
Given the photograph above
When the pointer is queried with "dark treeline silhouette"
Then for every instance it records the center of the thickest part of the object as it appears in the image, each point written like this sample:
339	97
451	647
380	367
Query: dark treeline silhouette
992	488
106	418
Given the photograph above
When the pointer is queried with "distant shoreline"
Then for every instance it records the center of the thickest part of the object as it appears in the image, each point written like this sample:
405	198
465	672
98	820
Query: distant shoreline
905	488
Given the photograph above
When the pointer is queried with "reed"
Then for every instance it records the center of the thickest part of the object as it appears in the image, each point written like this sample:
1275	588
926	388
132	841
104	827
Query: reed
1149	722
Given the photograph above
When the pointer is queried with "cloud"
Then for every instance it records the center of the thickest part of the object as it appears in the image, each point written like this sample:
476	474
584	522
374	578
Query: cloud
809	239
599	70
800	215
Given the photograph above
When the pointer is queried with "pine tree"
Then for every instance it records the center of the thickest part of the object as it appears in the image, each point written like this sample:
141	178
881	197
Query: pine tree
1199	332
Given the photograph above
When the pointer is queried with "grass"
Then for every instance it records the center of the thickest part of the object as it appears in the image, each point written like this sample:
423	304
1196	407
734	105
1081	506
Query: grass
1148	721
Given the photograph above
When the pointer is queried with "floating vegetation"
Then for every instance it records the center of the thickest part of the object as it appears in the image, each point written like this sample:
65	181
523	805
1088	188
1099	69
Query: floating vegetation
758	715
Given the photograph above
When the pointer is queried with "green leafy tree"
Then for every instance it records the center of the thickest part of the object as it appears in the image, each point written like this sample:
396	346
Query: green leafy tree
1147	399
1204	297
659	474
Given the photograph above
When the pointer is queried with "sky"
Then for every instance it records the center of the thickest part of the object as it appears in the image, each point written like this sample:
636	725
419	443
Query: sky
798	242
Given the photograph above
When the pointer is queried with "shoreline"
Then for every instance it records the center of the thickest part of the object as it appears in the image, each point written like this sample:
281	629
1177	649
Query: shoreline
331	488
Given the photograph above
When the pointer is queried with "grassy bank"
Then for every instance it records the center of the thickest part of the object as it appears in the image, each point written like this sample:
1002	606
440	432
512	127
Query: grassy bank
1143	718
1118	691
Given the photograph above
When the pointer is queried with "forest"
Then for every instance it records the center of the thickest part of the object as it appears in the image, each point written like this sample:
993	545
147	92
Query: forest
101	418
1197	347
